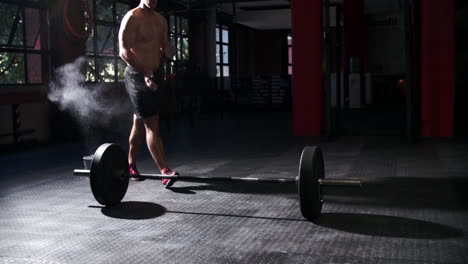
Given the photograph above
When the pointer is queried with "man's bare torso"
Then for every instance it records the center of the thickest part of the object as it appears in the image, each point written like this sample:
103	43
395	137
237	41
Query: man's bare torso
146	33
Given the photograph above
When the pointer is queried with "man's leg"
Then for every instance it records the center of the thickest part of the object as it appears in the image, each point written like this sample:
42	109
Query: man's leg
156	148
136	139
154	141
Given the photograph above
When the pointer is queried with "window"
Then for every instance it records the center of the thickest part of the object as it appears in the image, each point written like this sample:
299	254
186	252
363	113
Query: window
289	54
104	63
23	50
222	51
178	33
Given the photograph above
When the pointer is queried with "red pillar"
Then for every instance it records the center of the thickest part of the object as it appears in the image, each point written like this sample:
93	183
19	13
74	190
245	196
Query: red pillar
437	67
307	77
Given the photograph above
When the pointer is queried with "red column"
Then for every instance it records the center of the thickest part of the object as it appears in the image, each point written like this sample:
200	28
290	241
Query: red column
437	67
307	78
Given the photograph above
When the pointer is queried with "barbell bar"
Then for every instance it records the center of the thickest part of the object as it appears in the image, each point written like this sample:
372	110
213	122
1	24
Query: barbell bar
202	177
109	178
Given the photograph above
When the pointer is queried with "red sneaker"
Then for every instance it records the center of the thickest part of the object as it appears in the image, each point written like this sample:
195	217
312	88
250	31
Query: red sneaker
132	169
169	172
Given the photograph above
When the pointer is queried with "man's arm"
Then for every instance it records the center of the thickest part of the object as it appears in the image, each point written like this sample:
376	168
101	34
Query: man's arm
127	40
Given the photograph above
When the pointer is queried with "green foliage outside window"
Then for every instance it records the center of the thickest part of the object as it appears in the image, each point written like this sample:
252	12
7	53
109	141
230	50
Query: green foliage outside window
121	10
11	35
11	68
178	33
13	16
11	25
104	10
102	50
101	46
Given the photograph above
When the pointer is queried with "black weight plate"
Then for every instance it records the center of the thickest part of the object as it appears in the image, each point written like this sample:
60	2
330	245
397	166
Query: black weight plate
109	174
311	169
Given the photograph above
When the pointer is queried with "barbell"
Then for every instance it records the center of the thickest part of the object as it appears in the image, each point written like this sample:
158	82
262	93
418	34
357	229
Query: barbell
109	177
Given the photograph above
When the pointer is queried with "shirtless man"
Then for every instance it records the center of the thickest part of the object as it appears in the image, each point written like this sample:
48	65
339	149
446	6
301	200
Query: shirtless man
143	38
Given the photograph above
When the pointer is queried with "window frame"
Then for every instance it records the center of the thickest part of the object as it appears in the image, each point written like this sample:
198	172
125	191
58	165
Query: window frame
177	37
220	44
289	45
43	31
95	57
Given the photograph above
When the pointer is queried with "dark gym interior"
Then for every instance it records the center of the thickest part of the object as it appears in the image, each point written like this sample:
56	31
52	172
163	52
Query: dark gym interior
379	86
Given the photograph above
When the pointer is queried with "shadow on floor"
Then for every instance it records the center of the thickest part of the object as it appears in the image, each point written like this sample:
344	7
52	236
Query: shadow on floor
405	192
134	210
386	226
247	188
239	216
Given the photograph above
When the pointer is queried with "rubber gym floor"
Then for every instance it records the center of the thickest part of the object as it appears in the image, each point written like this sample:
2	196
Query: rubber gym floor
411	209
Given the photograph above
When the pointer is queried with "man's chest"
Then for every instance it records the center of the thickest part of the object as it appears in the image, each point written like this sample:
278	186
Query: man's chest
149	31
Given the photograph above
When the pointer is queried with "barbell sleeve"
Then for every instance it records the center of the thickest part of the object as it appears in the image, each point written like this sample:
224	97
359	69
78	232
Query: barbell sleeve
82	173
340	183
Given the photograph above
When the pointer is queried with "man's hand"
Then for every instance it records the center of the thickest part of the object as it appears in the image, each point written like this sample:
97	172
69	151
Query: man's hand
170	50
149	81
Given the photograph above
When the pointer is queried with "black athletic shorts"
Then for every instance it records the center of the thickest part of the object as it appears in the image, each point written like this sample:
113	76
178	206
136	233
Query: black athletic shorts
145	101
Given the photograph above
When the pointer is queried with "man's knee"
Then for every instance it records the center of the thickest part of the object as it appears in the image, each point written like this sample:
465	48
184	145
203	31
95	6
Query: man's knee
138	128
152	124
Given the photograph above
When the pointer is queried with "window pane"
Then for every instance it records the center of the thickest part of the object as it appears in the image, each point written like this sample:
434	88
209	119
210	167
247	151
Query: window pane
89	16
11	29
226	71
178	45
90	5
217	34
122	65
184	26
225	54
179	24
225	36
289	55
121	10
33	39
290	70
106	70
34	68
90	43
172	67
116	42
174	57
105	40
11	68
185	49
218	58
218	71
104	10
91	71
172	24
